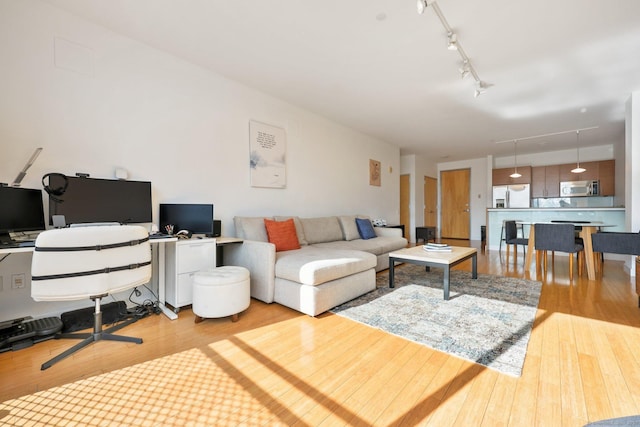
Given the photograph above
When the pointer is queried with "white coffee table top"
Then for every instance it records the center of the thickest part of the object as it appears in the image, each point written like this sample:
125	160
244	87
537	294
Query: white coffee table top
419	254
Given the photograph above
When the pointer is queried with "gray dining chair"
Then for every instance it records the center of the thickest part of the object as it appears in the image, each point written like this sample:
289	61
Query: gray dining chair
511	238
560	238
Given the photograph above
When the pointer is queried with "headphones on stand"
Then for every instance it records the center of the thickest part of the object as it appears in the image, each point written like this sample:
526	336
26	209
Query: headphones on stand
56	191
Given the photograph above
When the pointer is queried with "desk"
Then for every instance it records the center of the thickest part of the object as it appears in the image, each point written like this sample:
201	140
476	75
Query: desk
160	244
587	230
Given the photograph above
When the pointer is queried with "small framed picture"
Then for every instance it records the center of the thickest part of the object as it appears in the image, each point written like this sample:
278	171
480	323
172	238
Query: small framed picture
374	173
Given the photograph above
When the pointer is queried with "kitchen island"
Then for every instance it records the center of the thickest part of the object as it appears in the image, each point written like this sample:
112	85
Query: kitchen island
495	217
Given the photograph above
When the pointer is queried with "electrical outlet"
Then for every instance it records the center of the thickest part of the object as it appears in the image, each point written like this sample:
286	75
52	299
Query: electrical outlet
17	281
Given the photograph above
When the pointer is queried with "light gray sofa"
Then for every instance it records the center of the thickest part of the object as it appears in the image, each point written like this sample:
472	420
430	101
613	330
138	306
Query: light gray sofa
332	266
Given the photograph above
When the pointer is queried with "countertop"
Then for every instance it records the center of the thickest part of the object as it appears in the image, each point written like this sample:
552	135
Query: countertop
553	209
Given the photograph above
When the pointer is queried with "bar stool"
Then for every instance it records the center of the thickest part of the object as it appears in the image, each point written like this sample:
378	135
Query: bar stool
511	238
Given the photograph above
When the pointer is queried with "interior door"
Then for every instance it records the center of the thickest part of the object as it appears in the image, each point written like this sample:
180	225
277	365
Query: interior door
405	201
430	201
456	212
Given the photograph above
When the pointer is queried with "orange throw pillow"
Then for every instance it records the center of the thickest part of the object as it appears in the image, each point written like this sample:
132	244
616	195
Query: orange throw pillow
282	234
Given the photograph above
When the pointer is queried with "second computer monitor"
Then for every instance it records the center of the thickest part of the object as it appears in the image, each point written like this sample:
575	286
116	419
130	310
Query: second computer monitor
195	218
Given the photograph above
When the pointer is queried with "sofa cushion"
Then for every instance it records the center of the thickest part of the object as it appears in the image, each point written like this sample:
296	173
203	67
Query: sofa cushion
365	228
250	228
349	227
322	229
313	266
282	234
378	246
299	230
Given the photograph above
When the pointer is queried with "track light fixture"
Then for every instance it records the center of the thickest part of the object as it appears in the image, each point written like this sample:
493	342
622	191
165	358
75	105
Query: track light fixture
454	44
464	70
422	5
481	87
515	173
578	169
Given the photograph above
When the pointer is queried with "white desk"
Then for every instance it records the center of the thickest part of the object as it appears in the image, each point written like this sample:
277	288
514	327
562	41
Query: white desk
161	274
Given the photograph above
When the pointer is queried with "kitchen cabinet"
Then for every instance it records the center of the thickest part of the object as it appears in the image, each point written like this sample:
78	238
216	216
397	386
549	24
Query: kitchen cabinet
501	176
182	259
545	181
606	175
590	174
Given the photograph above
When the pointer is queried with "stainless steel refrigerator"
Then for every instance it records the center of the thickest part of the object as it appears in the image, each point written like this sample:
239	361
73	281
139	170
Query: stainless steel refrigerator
512	196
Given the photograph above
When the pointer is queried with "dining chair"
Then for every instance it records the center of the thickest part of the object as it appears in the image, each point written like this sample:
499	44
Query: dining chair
90	262
560	238
511	238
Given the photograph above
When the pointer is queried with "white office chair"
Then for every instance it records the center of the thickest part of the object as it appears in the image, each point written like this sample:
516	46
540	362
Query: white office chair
90	262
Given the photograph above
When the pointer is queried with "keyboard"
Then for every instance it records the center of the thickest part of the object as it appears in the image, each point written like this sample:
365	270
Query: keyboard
20	244
158	236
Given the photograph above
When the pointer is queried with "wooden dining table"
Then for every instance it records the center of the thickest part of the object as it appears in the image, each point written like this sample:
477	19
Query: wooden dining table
588	228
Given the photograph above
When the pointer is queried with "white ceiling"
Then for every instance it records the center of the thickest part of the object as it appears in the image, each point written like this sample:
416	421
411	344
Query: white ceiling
379	67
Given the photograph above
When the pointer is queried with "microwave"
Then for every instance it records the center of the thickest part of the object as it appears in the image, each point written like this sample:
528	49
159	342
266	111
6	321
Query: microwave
579	188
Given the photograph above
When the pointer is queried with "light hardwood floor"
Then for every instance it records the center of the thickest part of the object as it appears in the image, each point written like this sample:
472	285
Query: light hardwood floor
582	363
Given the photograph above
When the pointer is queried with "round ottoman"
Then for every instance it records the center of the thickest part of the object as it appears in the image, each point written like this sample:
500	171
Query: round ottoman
221	292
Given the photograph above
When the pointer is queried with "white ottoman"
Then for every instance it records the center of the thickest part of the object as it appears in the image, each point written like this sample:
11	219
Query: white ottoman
221	292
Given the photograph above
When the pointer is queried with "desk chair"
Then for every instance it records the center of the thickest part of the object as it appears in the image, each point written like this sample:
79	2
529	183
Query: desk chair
511	238
90	262
557	237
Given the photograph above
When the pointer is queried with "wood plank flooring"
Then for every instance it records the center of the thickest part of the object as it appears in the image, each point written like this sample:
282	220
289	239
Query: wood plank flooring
278	367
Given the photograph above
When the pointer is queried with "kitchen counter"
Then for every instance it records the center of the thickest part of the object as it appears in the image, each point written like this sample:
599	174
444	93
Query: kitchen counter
554	209
495	217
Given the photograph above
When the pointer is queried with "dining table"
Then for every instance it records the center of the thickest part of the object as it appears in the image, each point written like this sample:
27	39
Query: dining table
586	229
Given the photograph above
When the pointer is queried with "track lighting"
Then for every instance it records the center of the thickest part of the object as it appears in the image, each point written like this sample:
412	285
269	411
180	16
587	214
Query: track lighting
515	173
454	44
422	5
464	70
481	87
578	169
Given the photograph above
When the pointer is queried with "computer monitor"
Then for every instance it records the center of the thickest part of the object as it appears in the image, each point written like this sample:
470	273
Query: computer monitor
20	210
87	200
196	218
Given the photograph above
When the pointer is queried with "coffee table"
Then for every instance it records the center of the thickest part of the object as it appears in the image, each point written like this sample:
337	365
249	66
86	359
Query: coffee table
417	255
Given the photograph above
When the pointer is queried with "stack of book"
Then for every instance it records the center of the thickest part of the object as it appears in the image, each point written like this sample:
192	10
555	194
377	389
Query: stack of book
437	247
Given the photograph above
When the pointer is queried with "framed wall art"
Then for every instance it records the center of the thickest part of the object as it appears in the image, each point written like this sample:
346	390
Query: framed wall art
374	173
267	155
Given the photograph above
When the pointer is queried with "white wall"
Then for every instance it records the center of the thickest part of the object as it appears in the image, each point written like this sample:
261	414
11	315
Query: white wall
417	167
95	100
632	168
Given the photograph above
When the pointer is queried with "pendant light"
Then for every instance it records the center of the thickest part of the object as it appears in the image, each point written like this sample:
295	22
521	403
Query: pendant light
515	173
578	169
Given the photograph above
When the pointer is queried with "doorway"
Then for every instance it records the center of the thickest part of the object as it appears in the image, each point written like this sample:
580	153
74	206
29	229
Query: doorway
456	213
430	201
405	203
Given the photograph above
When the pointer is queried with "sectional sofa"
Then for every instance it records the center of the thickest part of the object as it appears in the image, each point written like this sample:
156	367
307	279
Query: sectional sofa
330	264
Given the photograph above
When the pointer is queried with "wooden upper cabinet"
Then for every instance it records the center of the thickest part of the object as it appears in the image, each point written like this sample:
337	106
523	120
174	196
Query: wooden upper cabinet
607	171
545	181
590	174
501	176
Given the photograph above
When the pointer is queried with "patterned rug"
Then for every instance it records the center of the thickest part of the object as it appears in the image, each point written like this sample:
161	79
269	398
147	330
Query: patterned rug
487	320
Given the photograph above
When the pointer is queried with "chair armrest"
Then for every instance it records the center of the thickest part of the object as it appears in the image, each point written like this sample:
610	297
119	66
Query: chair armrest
260	259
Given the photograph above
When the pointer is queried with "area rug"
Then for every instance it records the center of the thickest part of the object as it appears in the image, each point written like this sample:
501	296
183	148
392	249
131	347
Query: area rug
486	321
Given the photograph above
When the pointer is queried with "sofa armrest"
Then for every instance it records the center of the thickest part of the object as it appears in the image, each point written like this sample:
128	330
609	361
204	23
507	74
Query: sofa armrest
260	259
388	232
